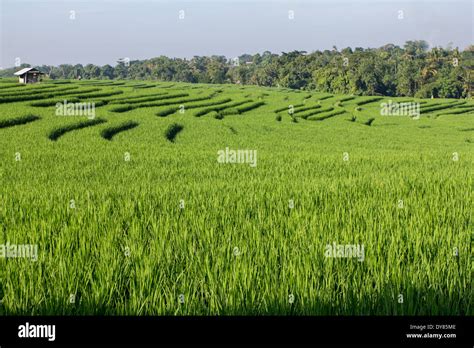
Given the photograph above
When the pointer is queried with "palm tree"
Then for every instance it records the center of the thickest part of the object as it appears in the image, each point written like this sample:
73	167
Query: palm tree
431	68
465	78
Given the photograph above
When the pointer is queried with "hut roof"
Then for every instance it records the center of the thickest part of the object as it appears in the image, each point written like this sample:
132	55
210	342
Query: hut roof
25	70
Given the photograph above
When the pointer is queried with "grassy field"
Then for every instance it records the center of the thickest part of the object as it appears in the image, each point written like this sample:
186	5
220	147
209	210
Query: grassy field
133	214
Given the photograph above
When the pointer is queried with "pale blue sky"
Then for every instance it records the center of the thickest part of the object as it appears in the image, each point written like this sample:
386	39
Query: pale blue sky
42	32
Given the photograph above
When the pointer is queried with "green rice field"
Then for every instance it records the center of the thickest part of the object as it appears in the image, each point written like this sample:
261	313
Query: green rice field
132	213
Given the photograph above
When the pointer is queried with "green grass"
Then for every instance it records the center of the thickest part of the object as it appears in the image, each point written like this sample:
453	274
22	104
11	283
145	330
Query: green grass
60	131
243	108
44	95
307	115
172	131
369	121
324	115
163	101
306	108
425	110
191	105
150	98
368	101
16	121
127	218
34	91
287	108
219	108
109	133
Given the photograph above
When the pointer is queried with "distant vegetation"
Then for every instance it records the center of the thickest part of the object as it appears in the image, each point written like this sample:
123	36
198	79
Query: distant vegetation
413	70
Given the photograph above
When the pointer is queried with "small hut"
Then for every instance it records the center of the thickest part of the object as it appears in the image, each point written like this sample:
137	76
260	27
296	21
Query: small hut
28	75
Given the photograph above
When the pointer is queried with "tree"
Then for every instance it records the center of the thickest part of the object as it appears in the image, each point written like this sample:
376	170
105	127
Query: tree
107	72
390	70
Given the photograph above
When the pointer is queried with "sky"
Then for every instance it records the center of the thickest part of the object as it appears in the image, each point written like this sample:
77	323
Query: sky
102	31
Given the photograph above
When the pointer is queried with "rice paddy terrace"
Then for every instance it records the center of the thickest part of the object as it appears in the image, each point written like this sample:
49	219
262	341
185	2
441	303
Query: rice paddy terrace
132	212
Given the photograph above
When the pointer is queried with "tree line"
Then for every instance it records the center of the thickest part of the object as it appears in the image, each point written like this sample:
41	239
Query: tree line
413	70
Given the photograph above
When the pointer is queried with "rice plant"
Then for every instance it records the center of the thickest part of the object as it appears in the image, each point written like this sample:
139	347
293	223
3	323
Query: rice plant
109	133
172	131
60	131
369	121
18	121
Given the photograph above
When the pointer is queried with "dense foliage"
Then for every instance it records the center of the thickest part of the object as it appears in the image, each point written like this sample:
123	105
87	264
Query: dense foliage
413	70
